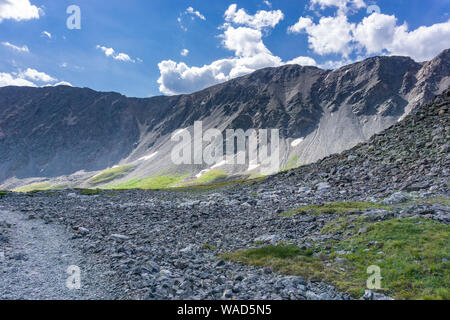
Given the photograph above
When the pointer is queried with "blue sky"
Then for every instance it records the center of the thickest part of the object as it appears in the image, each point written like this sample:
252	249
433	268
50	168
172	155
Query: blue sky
127	46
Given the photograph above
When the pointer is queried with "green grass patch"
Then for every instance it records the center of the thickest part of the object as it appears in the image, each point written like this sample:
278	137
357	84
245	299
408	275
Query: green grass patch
211	177
35	187
155	183
409	252
90	192
292	163
210	187
207	246
256	175
110	174
335	207
439	200
3	193
343	224
214	175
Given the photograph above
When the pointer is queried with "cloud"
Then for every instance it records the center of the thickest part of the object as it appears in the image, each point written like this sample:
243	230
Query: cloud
17	48
268	3
344	6
123	57
28	78
184	52
107	51
330	35
245	42
187	16
33	74
303	61
375	34
262	19
191	11
7	79
250	54
301	25
242	34
62	83
18	10
380	31
47	34
110	52
178	78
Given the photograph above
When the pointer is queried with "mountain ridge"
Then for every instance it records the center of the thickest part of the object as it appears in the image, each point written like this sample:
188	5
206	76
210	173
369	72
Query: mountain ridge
79	132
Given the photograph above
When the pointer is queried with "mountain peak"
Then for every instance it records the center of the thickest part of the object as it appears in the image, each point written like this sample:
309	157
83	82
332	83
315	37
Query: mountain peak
70	134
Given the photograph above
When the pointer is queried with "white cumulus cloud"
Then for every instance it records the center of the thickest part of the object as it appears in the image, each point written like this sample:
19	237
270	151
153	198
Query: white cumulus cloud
107	51
375	34
7	79
33	74
330	35
243	35
28	78
184	52
245	42
303	61
110	52
262	19
18	10
250	54
423	43
178	78
123	57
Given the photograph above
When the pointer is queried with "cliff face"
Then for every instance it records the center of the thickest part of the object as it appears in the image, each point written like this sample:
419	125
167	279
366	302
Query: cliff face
53	131
62	131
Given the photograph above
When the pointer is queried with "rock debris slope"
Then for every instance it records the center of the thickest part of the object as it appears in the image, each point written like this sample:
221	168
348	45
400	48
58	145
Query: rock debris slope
64	136
168	245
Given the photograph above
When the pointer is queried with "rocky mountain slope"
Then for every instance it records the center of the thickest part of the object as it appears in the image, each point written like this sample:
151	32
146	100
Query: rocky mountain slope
64	136
308	233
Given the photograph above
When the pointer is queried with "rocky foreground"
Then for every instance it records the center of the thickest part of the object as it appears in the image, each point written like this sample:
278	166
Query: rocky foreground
168	244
